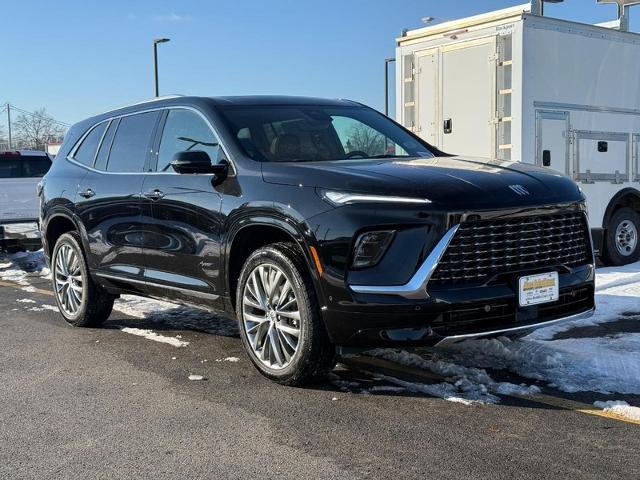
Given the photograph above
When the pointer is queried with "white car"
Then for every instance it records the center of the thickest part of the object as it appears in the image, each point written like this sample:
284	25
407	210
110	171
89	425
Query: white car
20	172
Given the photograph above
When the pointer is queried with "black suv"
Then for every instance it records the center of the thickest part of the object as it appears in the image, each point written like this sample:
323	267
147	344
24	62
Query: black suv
318	223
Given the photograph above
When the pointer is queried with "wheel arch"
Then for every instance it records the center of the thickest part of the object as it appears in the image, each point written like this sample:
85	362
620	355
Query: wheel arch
627	197
249	234
57	225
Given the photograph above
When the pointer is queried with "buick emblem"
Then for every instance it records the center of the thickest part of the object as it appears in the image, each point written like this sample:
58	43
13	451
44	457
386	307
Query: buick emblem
520	190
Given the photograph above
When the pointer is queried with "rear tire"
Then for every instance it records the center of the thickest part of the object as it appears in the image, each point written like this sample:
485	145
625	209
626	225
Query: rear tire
81	302
622	245
279	317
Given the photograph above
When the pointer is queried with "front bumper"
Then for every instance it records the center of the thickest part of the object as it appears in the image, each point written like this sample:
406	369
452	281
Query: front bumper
451	316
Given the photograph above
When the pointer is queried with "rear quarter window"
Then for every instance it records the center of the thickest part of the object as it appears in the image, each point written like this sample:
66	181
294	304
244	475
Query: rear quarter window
86	153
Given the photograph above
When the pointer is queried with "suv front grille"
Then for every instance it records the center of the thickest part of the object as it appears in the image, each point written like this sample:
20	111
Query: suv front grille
482	249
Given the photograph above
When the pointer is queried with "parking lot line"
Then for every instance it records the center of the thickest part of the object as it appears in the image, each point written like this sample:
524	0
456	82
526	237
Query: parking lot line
374	364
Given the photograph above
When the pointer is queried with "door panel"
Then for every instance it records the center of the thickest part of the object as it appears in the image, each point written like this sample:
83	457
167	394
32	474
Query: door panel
182	247
111	214
467	78
182	250
552	140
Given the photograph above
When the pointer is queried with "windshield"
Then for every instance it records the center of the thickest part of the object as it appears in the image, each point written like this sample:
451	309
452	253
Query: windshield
304	133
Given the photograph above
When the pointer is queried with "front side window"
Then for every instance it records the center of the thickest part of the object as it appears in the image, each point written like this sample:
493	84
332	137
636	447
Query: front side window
132	143
86	154
304	133
185	130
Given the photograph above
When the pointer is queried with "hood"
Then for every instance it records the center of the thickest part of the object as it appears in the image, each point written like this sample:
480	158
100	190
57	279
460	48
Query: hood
451	181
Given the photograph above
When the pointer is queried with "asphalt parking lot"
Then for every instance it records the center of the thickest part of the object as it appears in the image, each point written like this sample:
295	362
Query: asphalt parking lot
115	402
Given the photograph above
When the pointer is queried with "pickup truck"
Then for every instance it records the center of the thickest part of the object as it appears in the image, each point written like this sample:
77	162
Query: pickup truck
20	172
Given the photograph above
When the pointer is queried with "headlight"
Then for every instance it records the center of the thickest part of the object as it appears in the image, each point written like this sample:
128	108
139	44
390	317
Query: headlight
370	248
345	198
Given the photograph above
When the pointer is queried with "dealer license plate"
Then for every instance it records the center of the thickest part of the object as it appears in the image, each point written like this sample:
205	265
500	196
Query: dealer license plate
535	289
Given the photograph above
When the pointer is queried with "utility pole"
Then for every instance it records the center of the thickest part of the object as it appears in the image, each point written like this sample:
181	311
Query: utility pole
156	41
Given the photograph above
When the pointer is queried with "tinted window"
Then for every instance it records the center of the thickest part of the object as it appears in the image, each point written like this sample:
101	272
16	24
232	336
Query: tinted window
21	166
86	154
103	153
307	133
185	130
35	166
131	143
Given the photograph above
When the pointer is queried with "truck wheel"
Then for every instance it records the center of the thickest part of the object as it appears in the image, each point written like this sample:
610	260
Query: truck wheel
81	302
279	317
621	242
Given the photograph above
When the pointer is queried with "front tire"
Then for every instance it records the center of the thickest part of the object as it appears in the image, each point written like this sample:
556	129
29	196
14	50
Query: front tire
81	302
622	245
279	317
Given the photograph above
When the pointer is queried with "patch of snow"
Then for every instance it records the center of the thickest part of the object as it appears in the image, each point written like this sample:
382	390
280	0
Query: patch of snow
170	315
50	307
29	289
463	383
228	359
151	335
25	300
620	408
21	267
196	378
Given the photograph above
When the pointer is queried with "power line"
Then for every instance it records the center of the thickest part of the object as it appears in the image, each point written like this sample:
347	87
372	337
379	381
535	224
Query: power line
26	112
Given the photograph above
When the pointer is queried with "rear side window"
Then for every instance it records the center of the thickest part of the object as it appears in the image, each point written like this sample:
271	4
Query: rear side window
86	154
24	166
185	130
105	147
132	142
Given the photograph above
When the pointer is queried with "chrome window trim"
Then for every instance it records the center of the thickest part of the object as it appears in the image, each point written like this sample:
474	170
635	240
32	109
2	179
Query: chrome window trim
138	112
416	288
79	143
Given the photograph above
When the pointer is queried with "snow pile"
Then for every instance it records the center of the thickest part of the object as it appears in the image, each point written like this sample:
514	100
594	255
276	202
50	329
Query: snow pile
151	335
620	408
463	384
21	267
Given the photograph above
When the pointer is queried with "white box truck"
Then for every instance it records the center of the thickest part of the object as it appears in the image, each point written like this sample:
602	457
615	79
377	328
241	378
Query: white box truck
519	86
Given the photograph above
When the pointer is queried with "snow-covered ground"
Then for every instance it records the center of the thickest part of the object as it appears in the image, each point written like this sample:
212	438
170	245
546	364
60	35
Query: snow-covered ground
600	354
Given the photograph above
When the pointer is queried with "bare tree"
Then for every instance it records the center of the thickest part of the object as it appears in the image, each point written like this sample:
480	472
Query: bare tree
365	139
37	129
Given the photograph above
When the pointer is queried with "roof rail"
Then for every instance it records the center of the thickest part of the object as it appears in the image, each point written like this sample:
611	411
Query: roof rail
150	100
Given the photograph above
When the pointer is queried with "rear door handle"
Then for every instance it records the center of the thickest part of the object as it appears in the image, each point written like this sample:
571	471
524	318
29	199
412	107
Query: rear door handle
448	125
88	193
154	194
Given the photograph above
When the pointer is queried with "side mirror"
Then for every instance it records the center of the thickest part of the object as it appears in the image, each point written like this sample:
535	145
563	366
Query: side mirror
197	161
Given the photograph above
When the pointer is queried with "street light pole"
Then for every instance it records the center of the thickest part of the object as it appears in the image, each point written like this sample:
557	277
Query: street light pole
387	61
156	41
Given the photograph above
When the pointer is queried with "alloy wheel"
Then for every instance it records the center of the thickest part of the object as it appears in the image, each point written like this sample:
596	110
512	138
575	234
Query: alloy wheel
68	280
271	316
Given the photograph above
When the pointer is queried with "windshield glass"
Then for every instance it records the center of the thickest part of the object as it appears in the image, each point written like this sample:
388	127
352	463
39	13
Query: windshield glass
304	133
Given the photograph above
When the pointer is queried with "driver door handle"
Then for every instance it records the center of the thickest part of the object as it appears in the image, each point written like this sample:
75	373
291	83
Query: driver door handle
154	194
87	193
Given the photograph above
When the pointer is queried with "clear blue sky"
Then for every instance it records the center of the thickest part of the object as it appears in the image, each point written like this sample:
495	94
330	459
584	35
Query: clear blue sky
79	57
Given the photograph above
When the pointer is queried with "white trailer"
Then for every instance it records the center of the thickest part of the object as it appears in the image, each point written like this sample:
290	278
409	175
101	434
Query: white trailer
516	86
